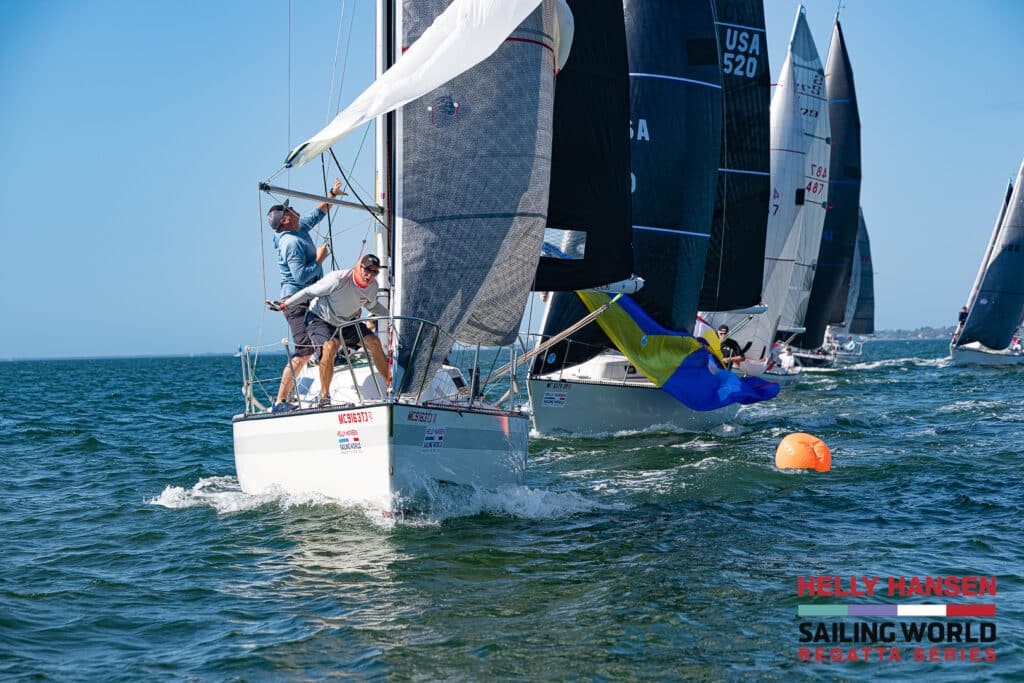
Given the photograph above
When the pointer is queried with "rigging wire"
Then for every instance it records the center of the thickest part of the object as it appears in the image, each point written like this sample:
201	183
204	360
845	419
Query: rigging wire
348	45
289	141
334	64
354	193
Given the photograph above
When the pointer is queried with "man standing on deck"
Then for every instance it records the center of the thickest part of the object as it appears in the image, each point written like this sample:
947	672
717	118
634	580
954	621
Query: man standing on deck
338	300
298	259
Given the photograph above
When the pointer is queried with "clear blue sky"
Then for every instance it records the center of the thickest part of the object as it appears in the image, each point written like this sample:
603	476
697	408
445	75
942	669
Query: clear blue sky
134	134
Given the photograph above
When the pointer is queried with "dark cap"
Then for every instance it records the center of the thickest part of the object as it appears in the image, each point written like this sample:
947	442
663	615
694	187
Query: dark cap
371	263
723	328
276	214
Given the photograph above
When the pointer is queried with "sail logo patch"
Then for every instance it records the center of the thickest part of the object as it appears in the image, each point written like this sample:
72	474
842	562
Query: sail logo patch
433	438
348	440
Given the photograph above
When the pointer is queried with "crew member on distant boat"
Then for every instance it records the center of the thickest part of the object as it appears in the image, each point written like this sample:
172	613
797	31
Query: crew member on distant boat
338	300
960	323
298	259
786	359
731	351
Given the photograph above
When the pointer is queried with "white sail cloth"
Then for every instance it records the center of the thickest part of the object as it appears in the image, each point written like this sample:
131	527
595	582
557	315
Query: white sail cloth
465	34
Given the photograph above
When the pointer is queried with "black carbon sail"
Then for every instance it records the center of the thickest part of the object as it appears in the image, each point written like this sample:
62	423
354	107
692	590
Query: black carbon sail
589	196
675	134
863	319
676	124
735	264
827	302
997	305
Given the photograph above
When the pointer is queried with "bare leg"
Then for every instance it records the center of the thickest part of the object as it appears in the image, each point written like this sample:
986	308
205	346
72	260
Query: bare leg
376	351
291	371
327	354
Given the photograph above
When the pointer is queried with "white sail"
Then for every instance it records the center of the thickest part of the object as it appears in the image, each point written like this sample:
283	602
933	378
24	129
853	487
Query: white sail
810	82
465	34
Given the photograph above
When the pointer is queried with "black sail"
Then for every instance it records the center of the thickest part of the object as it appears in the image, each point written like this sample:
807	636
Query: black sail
735	264
590	154
998	305
675	134
827	302
863	321
676	124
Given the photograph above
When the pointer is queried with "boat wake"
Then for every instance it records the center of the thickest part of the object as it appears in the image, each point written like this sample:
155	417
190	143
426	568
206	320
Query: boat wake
224	495
441	502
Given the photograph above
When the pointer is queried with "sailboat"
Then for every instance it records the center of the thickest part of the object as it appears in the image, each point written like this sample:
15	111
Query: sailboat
995	304
860	303
463	103
587	384
812	198
797	118
827	301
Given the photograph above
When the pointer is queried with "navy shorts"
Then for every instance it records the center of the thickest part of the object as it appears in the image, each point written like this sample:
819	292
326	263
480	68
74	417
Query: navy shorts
320	331
296	317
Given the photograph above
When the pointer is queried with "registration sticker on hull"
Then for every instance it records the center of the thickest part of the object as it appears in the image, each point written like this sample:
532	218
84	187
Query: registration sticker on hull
433	438
348	440
555	395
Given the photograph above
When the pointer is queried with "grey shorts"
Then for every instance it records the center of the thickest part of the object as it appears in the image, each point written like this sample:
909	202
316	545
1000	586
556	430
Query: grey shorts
296	317
320	331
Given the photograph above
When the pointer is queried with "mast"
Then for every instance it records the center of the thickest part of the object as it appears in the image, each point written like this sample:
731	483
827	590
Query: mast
384	57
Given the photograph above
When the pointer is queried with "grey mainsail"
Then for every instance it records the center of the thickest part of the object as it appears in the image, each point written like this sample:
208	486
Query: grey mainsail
997	301
472	171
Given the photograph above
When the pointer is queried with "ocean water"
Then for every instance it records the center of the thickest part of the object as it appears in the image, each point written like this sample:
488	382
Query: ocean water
129	552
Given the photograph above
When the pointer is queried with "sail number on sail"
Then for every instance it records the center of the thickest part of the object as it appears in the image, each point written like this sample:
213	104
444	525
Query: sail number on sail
817	179
742	48
641	133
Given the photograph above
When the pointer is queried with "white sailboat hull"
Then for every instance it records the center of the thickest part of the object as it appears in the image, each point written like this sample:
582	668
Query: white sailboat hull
976	354
583	407
814	359
381	456
777	374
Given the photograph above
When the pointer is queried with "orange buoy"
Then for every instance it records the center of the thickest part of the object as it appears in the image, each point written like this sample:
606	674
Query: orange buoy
803	451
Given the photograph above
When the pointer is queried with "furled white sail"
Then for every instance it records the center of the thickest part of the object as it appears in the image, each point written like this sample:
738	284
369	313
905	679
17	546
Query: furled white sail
810	87
465	34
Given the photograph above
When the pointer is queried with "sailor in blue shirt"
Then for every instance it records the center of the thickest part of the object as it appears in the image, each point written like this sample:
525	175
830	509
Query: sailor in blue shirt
299	261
